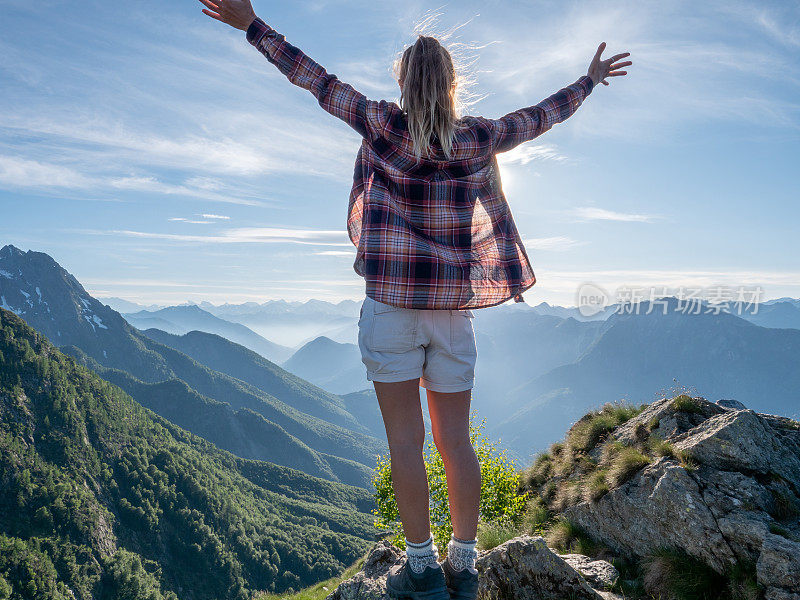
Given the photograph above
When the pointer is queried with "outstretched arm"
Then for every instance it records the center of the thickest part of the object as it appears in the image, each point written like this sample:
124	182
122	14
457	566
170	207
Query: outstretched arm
336	97
528	123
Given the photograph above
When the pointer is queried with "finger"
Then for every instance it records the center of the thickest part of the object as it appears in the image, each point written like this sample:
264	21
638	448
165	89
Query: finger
604	82
213	15
210	5
619	65
616	73
618	56
600	49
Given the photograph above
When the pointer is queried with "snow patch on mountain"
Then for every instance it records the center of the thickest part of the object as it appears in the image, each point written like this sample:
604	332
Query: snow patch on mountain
7	307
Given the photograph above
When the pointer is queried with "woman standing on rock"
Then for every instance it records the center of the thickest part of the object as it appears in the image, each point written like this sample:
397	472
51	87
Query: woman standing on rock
435	238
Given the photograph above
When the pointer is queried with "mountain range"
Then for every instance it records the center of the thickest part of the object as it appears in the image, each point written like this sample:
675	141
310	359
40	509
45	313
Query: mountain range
102	498
539	368
183	319
310	430
634	355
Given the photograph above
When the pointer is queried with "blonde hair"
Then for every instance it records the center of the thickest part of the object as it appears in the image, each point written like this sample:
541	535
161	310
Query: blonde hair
428	94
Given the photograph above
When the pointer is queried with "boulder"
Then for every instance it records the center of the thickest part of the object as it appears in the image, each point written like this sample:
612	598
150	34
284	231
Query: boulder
731	404
524	568
598	573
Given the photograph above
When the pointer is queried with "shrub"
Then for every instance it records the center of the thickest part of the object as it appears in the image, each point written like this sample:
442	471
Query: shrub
500	499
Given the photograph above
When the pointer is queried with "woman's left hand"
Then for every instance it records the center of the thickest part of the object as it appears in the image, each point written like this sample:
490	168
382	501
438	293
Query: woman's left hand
600	69
236	13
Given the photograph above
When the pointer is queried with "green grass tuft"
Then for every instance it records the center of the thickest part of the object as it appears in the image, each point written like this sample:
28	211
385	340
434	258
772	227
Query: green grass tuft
778	530
784	506
596	486
659	447
567	537
493	533
536	517
685	403
625	464
594	426
687	460
670	574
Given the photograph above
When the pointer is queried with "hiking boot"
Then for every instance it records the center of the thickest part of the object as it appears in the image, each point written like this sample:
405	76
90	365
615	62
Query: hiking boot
461	585
403	582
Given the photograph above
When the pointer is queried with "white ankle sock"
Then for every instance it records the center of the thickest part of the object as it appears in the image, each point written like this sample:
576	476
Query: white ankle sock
421	554
462	554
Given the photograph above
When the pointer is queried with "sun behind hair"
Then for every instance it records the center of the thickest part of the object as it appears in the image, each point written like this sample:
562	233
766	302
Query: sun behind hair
427	78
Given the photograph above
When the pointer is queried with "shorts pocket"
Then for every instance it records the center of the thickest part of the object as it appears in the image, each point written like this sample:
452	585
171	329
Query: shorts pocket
462	334
392	329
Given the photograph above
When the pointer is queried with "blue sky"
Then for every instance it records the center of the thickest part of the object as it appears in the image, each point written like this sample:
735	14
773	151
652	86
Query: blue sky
158	157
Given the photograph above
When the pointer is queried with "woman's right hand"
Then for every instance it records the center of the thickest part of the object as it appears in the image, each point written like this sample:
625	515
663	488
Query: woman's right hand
600	69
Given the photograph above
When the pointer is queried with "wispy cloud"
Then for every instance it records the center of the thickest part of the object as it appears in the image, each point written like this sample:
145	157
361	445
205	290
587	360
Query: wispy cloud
19	172
245	235
190	221
16	172
556	243
525	153
592	213
684	72
348	254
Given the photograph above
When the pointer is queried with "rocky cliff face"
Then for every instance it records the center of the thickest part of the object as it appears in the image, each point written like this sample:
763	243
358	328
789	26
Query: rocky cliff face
726	493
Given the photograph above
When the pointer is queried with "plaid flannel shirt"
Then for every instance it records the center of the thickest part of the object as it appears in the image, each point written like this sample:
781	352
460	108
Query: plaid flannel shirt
430	233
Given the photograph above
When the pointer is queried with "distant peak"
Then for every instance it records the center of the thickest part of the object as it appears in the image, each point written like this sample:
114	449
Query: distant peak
10	250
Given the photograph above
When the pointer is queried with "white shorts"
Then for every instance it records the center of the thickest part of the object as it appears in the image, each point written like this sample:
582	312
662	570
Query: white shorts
437	346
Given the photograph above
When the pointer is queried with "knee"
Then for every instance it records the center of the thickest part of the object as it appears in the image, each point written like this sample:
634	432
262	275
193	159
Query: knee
450	445
407	442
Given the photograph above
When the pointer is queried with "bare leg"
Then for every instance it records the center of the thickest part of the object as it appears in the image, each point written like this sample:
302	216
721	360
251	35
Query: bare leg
450	423
405	431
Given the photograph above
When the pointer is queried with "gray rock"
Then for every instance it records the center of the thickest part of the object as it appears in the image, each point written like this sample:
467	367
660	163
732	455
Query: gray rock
779	563
745	490
741	441
779	594
370	582
598	573
732	404
523	568
660	506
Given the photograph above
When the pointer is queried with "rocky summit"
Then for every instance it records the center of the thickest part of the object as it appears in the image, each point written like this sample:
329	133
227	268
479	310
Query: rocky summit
683	492
522	568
